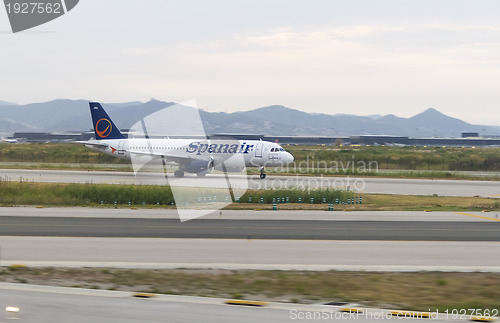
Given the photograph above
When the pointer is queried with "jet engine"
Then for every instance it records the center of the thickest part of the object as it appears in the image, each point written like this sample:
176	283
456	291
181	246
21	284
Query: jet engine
201	167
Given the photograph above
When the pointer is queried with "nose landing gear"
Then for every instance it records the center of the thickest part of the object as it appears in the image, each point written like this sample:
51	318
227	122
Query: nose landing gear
262	174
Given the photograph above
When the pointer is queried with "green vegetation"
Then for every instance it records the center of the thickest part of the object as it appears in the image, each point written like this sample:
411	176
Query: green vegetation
29	193
412	291
389	202
384	174
428	161
54	194
367	159
295	195
54	153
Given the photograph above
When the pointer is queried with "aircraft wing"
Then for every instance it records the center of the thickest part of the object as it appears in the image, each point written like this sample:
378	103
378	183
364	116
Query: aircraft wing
88	143
169	157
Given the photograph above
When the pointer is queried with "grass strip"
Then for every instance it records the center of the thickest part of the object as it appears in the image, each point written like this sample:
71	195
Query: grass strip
105	195
61	194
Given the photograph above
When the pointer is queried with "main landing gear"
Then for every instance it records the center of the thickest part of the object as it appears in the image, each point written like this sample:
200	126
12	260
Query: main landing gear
262	174
179	173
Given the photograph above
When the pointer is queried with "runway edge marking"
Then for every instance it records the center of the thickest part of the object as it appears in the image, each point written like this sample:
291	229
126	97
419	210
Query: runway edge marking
478	216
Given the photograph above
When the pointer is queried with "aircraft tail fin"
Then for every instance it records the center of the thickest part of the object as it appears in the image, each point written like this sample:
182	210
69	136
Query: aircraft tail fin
104	127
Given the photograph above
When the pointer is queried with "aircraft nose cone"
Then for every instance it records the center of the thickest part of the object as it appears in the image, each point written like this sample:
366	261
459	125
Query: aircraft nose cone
289	158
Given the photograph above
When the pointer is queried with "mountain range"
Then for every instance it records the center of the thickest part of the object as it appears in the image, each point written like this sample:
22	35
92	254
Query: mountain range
276	120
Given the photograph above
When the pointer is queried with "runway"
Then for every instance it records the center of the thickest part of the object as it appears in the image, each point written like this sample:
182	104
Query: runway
245	224
299	215
40	303
310	240
250	229
260	254
52	304
367	185
56	304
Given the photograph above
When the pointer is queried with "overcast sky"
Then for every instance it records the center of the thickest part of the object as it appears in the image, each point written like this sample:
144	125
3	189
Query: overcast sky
359	57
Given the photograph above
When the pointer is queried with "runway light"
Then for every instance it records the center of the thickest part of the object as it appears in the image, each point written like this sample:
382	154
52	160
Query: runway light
483	318
12	309
352	310
143	295
244	302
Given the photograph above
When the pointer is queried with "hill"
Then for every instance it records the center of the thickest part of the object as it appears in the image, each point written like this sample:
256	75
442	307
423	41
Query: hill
73	116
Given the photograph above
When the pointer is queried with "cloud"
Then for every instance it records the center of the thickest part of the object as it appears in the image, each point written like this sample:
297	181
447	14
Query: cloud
291	39
459	27
365	69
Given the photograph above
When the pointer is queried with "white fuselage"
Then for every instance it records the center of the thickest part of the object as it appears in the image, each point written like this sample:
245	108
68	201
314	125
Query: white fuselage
253	153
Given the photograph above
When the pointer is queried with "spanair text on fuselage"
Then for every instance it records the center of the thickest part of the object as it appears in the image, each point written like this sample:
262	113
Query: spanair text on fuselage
255	153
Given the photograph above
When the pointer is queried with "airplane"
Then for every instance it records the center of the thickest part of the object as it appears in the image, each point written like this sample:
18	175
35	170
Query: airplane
9	141
198	156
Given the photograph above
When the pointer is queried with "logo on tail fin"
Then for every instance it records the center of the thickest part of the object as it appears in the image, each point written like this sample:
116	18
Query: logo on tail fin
103	125
103	128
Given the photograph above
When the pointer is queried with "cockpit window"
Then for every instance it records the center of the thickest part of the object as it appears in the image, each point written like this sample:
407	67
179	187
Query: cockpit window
275	150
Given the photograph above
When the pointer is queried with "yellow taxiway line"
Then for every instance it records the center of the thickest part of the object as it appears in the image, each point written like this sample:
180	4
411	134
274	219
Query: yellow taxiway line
478	216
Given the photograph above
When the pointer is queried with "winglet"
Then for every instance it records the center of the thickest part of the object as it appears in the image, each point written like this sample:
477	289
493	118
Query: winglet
104	127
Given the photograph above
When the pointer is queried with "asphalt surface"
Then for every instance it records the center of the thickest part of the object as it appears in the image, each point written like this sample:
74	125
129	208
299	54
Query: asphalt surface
299	215
247	239
147	239
367	185
49	304
250	229
251	254
53	304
